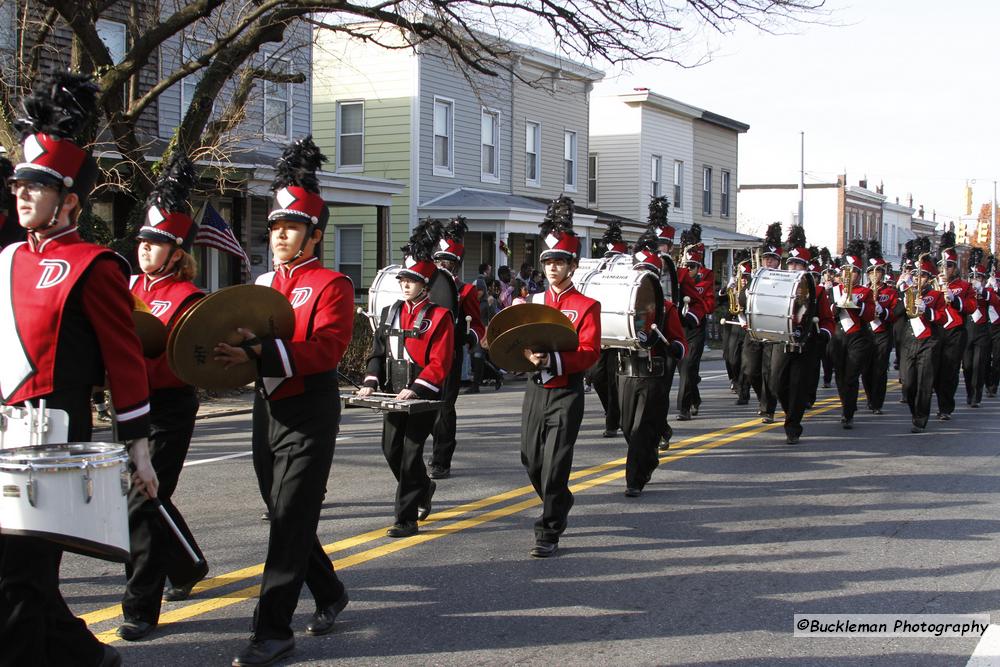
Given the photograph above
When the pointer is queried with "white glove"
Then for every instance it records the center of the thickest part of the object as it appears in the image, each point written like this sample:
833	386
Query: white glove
856	298
731	284
921	307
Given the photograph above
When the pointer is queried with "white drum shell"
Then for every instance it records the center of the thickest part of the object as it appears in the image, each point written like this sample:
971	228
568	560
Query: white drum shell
771	305
384	291
57	478
617	288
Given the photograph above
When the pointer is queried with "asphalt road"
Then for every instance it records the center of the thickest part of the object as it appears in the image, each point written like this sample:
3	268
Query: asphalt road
736	533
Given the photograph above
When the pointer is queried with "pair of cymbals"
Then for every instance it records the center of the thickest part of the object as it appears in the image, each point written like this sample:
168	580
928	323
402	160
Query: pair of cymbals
215	319
528	326
151	331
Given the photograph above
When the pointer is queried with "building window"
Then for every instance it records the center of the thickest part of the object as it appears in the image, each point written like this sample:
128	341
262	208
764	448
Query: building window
190	49
532	154
724	203
654	179
113	34
349	249
592	178
444	128
569	159
678	185
277	100
706	191
489	130
350	135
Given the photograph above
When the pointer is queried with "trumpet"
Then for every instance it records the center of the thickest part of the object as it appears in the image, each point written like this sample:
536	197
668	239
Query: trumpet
847	286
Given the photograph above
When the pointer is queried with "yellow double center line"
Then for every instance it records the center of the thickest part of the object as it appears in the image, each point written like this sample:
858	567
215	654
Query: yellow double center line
432	530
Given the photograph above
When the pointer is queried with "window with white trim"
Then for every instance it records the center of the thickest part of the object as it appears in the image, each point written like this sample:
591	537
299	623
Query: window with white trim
532	154
678	202
349	252
444	131
592	178
724	202
706	190
569	160
350	135
190	49
277	100
655	175
489	131
114	36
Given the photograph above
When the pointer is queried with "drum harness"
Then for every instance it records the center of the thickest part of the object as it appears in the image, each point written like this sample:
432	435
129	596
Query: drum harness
401	365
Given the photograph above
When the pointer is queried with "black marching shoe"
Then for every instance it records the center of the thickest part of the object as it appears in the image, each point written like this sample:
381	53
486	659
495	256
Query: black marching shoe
826	384
497	383
684	417
263	652
664	444
472	389
694	410
266	516
439	472
402	529
543	549
179	592
917	429
322	620
944	416
632	492
424	508
743	401
876	411
111	657
974	404
609	433
133	631
847	423
768	418
792	439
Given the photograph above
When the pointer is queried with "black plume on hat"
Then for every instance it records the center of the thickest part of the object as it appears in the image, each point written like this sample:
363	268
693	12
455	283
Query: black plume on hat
741	256
6	173
424	240
455	229
908	249
875	249
991	263
773	235
299	162
922	245
824	256
173	188
658	207
975	257
60	104
855	247
947	239
796	237
647	241
613	234
558	217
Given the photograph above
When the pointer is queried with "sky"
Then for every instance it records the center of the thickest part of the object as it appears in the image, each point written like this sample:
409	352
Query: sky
903	92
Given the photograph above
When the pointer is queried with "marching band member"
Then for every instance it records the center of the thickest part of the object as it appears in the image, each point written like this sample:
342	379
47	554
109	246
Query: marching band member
166	286
852	345
68	324
642	384
448	257
757	355
875	376
553	401
919	343
992	287
828	271
734	333
791	369
10	231
960	302
602	374
976	361
688	396
822	342
412	355
296	411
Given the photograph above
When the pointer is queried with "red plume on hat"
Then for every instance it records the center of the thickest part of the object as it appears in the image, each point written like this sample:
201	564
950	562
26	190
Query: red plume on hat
657	219
57	112
295	186
168	218
451	244
418	254
561	242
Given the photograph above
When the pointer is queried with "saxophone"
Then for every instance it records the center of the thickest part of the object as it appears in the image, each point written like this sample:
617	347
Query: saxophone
910	296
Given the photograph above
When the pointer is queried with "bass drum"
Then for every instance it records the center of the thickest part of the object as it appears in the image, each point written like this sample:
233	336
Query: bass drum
631	303
779	303
385	292
668	280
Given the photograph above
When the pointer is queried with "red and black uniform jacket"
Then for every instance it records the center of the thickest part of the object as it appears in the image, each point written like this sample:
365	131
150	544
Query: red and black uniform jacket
468	300
688	288
851	320
985	299
168	298
885	308
935	315
993	306
824	311
323	303
429	349
960	302
585	314
704	285
65	322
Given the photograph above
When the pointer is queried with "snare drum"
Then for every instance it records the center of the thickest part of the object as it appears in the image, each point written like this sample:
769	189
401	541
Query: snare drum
777	303
73	494
631	301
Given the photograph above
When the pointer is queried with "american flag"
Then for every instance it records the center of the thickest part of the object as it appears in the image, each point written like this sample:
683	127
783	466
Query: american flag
213	232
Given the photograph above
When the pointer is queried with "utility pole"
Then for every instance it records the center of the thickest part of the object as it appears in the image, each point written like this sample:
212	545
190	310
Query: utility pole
802	177
993	221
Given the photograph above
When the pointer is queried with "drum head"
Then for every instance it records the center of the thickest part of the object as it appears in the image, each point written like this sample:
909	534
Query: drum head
668	280
442	291
214	319
648	309
152	333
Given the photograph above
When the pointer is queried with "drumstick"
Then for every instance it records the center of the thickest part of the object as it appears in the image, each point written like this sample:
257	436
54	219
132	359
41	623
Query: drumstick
659	333
199	562
468	323
684	310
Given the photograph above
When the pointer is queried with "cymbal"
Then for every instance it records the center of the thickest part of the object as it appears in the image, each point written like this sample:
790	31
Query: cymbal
531	326
523	313
140	305
151	331
213	320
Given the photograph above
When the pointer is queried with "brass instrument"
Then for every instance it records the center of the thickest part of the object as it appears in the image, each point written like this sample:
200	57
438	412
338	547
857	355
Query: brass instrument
912	294
847	286
734	299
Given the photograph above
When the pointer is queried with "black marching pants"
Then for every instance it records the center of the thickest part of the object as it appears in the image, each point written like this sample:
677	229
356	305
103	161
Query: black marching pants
403	438
952	349
752	369
994	378
828	364
445	424
37	627
603	378
976	361
850	353
156	552
550	422
875	375
821	341
768	382
916	366
732	352
643	419
293	443
790	374
689	368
